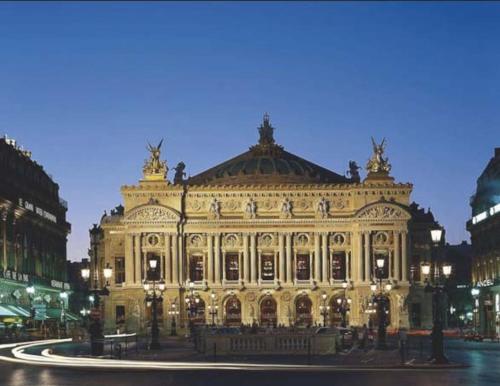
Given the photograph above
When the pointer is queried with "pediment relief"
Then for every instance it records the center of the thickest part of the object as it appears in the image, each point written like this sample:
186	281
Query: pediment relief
383	211
154	214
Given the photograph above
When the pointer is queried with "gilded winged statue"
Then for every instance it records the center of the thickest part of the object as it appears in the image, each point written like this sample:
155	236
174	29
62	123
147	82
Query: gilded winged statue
378	163
154	167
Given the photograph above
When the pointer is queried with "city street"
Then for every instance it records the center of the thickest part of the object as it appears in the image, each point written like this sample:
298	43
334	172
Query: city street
483	359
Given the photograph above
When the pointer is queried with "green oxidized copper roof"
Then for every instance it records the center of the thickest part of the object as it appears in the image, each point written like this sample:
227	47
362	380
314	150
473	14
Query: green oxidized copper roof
266	163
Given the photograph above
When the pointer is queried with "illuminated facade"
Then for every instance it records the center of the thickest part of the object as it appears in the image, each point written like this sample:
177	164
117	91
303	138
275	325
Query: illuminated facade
266	237
484	228
33	236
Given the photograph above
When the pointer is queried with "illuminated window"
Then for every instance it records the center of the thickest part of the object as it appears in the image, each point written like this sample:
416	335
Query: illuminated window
119	270
232	266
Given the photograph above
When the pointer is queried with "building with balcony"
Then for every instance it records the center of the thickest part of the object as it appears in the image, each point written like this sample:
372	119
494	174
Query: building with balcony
484	228
33	235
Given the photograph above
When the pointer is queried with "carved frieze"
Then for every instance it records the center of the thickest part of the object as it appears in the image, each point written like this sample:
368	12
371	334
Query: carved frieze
151	214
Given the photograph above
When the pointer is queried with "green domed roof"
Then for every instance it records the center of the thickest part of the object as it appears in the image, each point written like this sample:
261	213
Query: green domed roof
266	163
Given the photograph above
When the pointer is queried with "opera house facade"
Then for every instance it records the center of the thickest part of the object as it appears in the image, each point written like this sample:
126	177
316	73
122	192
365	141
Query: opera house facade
266	237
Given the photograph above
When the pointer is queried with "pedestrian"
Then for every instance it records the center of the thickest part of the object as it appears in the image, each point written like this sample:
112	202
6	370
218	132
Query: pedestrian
403	339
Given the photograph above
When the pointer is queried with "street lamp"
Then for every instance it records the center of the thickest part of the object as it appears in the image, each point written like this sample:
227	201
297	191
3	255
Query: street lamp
192	301
475	294
435	284
173	312
344	304
324	308
63	297
153	294
213	308
380	298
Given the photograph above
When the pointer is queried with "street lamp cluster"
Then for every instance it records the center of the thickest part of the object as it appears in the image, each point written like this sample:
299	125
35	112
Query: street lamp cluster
154	294
213	308
380	298
436	273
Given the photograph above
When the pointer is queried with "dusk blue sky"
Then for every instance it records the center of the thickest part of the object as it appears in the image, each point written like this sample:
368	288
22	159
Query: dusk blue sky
85	86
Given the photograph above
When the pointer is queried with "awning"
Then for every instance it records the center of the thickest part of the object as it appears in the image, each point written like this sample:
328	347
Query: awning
55	313
4	311
14	310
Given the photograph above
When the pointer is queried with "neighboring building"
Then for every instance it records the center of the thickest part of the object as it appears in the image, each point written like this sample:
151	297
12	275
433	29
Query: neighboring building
460	284
267	233
79	288
484	228
420	301
33	234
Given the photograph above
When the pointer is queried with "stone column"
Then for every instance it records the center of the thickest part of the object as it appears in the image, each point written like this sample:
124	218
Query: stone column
348	272
168	259
367	256
253	257
289	267
396	256
404	257
175	260
210	258
324	257
359	254
217	258
180	253
281	242
246	259
317	254
137	259
129	259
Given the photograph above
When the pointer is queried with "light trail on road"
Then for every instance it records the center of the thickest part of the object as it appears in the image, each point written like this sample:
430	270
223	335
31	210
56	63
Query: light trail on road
47	358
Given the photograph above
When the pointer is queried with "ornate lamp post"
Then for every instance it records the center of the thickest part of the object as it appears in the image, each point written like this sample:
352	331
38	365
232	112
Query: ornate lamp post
436	285
380	299
324	308
63	296
192	301
344	304
173	312
154	295
213	308
475	294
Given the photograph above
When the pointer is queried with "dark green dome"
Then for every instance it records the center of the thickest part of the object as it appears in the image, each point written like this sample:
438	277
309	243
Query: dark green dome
266	163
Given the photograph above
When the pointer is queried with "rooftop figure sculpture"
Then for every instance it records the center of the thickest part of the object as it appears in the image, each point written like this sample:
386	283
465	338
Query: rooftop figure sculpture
154	168
378	163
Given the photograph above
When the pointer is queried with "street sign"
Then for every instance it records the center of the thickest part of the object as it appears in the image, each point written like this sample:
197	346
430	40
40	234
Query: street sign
40	311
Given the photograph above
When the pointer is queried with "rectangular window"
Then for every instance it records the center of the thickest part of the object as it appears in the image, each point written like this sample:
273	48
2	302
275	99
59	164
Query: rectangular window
232	266
119	270
339	265
267	267
196	268
384	272
120	314
303	267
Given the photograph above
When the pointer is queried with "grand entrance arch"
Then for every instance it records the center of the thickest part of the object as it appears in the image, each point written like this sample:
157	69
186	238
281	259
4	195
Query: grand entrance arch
268	311
197	313
232	311
338	306
303	308
375	316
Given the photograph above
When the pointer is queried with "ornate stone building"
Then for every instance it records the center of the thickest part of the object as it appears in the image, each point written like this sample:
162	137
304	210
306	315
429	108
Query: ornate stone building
265	237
